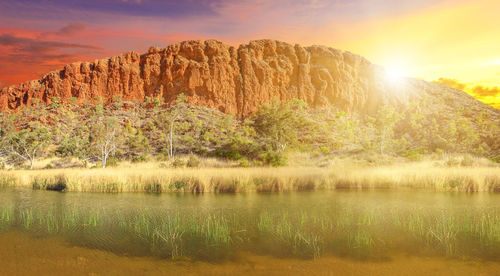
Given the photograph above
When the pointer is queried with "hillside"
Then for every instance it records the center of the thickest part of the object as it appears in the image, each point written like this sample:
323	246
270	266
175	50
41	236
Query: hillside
283	97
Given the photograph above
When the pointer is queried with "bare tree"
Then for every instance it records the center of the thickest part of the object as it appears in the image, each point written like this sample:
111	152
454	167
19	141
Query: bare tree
104	140
168	119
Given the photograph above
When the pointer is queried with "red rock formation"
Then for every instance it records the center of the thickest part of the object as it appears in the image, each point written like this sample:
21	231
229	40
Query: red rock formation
213	74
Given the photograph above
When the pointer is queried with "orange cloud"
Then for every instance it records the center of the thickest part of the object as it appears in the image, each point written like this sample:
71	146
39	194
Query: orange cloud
488	95
451	83
483	91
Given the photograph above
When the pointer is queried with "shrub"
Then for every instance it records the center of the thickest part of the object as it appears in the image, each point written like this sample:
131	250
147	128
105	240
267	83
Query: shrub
244	163
139	159
48	166
229	154
413	155
467	161
177	185
452	162
325	149
274	159
193	161
257	162
178	163
162	156
112	162
56	183
495	159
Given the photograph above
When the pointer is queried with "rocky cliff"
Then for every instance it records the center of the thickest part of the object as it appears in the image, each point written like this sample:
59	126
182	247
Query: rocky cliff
232	80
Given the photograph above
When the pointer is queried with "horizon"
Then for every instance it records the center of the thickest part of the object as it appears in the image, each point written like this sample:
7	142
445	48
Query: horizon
429	40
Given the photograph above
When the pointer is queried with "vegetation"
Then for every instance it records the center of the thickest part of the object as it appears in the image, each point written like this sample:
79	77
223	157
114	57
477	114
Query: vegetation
94	133
350	230
190	175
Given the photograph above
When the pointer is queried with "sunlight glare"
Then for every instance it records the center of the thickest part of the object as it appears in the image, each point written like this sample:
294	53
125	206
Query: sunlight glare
395	73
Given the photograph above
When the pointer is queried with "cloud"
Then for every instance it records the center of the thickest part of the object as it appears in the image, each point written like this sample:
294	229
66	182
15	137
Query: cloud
32	45
71	29
25	56
484	91
486	94
451	83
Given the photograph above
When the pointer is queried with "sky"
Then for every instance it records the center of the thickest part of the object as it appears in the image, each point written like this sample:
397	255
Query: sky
456	42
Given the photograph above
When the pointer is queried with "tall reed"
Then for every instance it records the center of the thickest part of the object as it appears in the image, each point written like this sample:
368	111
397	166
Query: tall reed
234	180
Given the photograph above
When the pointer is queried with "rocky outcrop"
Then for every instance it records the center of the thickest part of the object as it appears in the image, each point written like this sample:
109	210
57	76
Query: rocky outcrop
232	80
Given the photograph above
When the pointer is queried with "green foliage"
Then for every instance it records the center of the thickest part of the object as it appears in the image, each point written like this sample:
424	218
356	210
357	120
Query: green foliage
29	143
178	163
495	159
193	161
140	159
279	124
55	103
95	132
135	143
112	162
275	159
244	163
105	139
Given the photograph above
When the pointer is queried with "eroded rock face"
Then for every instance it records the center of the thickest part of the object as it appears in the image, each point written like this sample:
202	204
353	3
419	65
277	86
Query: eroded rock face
232	80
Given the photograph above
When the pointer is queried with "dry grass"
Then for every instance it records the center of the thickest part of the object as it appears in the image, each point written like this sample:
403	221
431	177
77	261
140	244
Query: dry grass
149	177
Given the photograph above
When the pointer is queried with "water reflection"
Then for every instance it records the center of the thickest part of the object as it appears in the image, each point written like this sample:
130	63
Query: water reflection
359	225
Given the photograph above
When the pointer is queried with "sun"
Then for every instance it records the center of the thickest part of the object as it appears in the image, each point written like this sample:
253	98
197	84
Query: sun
395	73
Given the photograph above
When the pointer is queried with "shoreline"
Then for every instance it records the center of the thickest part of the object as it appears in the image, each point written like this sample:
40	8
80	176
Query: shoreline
418	176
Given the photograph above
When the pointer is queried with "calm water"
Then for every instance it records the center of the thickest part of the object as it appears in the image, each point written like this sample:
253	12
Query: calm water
364	229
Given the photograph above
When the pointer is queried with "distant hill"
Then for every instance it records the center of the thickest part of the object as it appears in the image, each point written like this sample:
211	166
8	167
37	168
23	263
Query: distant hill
240	80
234	80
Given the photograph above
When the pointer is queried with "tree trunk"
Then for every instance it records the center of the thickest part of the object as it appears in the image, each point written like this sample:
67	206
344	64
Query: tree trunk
172	140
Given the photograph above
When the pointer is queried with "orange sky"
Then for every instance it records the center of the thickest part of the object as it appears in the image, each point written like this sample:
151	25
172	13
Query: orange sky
428	39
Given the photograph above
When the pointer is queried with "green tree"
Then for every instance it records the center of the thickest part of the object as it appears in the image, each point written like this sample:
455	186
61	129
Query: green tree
6	128
135	142
279	124
385	122
29	143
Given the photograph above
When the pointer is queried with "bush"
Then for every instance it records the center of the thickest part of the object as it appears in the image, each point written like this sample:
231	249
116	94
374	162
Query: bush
452	162
495	159
48	166
413	155
177	185
244	163
139	159
178	163
112	162
162	156
325	150
193	162
229	154
467	161
274	159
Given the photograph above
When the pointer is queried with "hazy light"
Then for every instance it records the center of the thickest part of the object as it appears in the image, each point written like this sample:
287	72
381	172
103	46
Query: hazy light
395	73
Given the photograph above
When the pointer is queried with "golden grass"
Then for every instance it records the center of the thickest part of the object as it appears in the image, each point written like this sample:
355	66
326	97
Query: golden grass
150	178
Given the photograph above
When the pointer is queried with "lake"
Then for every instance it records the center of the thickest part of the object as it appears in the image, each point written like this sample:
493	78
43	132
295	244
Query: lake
322	232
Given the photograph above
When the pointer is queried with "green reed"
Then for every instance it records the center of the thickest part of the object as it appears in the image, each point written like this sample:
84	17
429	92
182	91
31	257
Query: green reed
354	232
